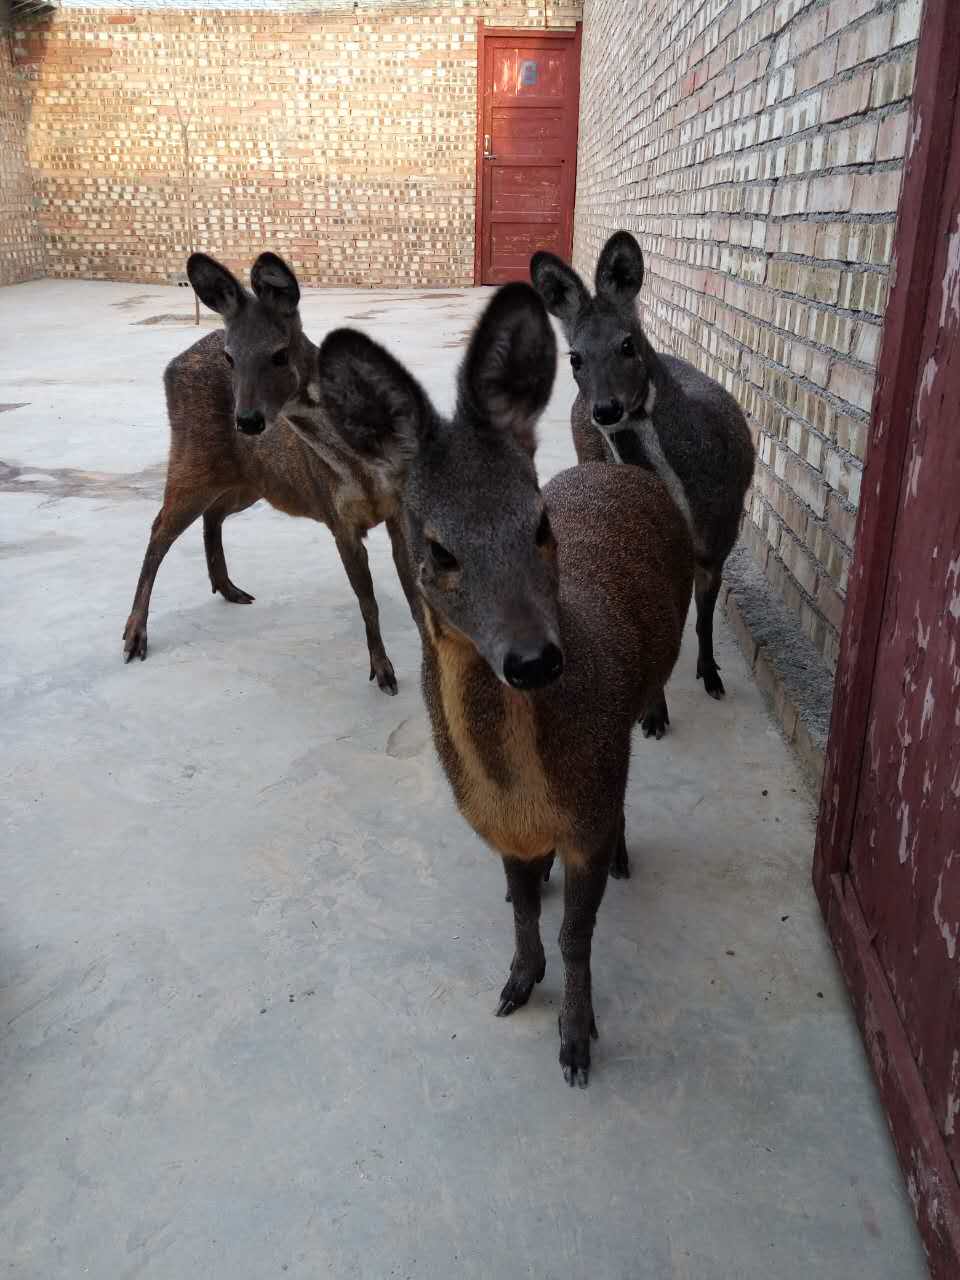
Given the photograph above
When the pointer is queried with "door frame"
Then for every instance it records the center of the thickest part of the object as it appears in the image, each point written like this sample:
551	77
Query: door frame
931	135
485	33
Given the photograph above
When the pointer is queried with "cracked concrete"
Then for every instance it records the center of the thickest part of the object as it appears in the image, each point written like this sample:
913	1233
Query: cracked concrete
249	952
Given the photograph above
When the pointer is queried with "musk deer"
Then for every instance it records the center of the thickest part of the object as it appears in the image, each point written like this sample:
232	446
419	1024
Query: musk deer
230	399
657	411
547	620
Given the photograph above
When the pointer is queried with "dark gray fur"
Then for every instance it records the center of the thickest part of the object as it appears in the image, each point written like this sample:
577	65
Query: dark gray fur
695	435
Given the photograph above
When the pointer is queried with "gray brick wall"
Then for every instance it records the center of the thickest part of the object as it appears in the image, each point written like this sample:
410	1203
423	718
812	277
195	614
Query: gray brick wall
755	148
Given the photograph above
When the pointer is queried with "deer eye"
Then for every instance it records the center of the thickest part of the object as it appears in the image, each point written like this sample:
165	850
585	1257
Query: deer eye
441	557
576	360
281	357
627	348
544	532
229	358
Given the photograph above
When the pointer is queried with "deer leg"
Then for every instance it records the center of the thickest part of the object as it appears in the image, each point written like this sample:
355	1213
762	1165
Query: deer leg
583	888
620	865
354	556
401	558
656	717
547	862
176	514
529	963
213	519
706	590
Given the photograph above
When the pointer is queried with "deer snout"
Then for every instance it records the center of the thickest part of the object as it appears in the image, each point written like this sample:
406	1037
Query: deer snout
606	413
523	671
251	424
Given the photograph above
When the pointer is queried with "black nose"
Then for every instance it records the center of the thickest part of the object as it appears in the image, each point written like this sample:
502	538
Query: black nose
251	424
533	673
607	412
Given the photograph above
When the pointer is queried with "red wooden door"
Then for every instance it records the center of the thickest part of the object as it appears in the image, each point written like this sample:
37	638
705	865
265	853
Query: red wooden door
528	105
887	865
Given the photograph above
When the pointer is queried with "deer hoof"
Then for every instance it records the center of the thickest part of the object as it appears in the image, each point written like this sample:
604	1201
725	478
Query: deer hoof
620	866
711	681
575	1055
134	640
518	989
383	673
654	724
233	594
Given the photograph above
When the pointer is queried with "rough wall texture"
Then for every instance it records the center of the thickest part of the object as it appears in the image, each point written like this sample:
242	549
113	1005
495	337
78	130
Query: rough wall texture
344	140
21	240
755	146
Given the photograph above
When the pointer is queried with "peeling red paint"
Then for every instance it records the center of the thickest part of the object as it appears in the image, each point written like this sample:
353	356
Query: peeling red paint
887	865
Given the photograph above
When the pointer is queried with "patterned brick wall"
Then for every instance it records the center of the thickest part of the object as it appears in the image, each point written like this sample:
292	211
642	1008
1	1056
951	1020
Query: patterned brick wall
343	136
755	147
21	240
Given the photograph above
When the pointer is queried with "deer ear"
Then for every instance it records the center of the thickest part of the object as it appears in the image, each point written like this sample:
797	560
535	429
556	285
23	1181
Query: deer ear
561	289
377	408
275	284
619	269
216	287
507	375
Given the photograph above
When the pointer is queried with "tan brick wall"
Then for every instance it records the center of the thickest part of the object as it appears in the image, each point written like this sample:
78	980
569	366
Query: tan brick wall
755	148
21	240
343	140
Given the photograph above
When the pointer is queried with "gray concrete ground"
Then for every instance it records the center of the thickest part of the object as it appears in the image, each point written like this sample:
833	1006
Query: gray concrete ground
249	952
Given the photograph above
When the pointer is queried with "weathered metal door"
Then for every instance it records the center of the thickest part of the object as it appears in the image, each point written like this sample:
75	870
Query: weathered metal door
888	851
528	103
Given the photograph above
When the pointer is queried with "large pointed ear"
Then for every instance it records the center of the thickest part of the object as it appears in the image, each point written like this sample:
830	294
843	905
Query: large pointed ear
216	287
275	284
377	407
507	375
560	287
619	269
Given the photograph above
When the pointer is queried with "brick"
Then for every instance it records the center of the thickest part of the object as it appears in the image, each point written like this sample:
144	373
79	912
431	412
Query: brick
818	65
844	12
855	145
847	98
854	385
892	82
876	192
863	43
906	22
831	193
892	136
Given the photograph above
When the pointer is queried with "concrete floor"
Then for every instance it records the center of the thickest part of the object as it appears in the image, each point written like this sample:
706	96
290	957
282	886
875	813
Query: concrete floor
249	952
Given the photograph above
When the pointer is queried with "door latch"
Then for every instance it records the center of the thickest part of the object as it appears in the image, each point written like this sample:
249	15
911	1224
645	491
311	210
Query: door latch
487	153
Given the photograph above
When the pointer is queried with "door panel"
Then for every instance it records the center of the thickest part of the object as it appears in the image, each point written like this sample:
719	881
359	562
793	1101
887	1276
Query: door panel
527	149
905	855
887	863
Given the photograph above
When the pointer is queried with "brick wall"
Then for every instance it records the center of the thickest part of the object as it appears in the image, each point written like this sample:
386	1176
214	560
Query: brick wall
21	240
755	147
342	137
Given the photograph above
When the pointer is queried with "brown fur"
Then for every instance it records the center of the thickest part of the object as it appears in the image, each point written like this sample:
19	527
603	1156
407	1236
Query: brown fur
534	772
549	620
215	470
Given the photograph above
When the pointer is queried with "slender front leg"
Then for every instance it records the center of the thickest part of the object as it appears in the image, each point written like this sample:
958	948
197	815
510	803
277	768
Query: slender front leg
706	589
547	864
582	894
401	558
354	556
177	513
529	963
